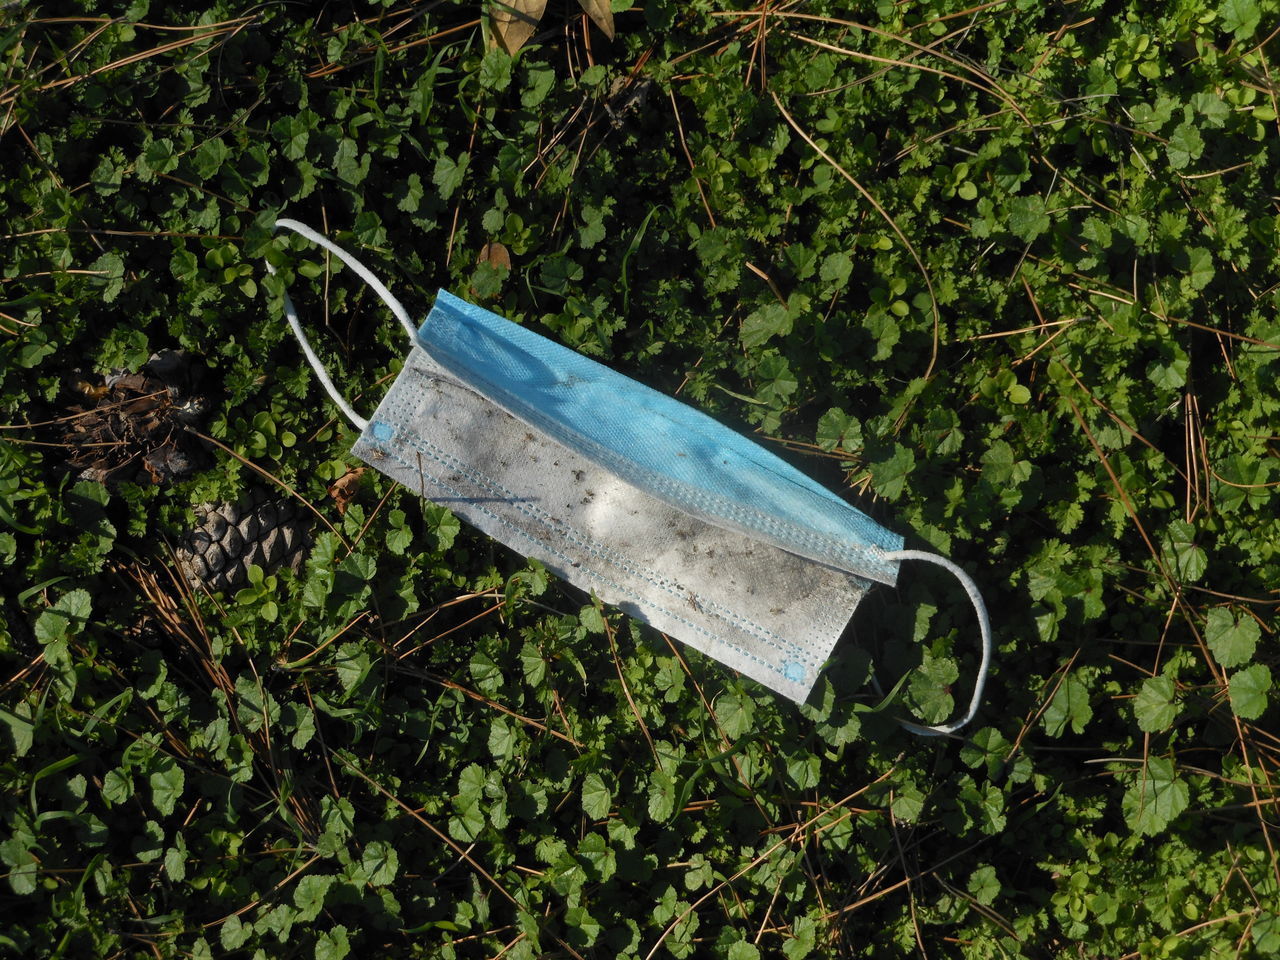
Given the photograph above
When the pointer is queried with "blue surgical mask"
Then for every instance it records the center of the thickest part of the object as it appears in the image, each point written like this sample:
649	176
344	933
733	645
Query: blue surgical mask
627	493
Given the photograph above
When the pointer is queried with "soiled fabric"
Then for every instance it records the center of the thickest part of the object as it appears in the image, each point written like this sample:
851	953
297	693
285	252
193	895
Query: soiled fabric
629	494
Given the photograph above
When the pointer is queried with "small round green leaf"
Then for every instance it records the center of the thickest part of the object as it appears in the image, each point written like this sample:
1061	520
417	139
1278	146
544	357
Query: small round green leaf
1155	706
1232	641
596	798
1248	690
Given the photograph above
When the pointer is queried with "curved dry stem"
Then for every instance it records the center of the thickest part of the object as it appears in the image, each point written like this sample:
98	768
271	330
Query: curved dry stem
798	833
991	88
226	29
964	73
987	84
884	214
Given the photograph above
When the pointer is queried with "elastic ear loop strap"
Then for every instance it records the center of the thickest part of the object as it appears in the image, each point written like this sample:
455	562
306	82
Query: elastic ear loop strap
984	627
291	314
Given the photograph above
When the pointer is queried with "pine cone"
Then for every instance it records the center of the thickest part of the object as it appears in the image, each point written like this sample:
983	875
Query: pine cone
228	538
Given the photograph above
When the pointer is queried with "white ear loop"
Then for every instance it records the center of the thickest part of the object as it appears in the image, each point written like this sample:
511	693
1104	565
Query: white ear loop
291	314
984	628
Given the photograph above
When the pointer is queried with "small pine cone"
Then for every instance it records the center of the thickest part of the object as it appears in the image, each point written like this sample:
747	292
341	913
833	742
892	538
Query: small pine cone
229	537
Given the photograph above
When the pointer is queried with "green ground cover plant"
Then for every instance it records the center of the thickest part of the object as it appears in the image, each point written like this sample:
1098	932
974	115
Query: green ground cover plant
1005	273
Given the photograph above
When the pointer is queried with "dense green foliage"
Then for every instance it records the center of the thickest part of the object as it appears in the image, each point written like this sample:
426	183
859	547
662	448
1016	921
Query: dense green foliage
1004	273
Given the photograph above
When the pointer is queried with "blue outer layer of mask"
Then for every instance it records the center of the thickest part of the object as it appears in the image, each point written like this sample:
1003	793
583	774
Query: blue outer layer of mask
654	441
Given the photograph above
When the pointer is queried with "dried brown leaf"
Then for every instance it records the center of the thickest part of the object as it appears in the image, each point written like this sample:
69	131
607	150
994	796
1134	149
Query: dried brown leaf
601	14
135	428
344	489
92	391
496	254
514	21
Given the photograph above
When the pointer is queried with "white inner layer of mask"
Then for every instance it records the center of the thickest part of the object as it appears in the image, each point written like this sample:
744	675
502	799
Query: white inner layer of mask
768	613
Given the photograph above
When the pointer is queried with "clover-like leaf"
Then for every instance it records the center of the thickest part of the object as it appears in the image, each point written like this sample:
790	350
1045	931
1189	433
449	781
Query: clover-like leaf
763	324
596	798
167	783
23	866
333	944
1248	690
1156	797
1186	554
984	884
1240	17
380	862
309	895
598	856
930	687
234	933
1028	217
592	620
890	473
1156	706
1200	269
662	796
803	940
584	929
777	381
735	713
1185	145
449	174
908	803
1070	705
1231	641
65	618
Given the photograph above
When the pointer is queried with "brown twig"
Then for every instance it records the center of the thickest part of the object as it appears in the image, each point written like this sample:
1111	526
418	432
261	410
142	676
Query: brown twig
867	195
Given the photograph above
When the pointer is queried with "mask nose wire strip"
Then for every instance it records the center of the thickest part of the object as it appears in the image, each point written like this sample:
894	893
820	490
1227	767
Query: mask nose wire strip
984	627
291	313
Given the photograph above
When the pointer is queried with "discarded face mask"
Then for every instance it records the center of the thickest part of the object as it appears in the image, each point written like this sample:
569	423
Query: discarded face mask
627	493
